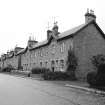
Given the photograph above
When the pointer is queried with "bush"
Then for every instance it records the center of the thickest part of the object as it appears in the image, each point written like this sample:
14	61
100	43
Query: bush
38	70
98	60
7	69
101	75
71	63
98	78
35	70
58	76
91	78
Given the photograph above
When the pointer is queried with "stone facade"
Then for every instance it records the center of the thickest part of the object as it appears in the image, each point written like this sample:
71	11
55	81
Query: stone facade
87	43
85	40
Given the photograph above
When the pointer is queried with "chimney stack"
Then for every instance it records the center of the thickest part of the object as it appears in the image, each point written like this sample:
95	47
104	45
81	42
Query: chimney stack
31	42
55	29
49	33
89	16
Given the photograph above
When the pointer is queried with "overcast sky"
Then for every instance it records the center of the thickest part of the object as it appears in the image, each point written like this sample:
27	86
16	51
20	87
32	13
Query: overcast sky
21	18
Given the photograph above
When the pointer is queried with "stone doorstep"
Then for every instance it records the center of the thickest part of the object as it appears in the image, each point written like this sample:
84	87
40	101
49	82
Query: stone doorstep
86	89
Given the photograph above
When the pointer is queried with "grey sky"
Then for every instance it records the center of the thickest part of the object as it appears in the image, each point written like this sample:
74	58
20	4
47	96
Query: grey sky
19	18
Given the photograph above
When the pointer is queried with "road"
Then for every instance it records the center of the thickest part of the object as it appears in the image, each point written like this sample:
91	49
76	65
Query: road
26	91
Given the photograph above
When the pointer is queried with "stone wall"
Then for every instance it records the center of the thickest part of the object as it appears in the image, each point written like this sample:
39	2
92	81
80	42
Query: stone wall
87	43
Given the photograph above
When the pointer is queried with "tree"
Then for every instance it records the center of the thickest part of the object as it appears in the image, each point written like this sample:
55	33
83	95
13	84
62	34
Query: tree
71	63
98	60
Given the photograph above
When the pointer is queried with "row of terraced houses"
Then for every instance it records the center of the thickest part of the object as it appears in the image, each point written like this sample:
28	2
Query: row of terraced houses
86	40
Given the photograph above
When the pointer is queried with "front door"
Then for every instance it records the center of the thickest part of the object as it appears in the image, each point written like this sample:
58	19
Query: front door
53	65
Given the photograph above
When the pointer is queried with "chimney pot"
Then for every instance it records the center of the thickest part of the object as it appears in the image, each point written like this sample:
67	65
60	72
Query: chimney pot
89	16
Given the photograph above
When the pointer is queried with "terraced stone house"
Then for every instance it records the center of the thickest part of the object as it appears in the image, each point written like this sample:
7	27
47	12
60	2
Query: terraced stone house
85	41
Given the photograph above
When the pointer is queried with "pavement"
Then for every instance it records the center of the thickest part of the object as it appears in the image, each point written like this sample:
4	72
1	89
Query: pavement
84	86
81	86
96	91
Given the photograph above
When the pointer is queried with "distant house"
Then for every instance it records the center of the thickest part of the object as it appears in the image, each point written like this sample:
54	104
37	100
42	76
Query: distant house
85	41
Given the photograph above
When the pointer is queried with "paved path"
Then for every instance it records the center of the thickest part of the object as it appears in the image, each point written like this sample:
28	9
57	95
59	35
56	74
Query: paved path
24	91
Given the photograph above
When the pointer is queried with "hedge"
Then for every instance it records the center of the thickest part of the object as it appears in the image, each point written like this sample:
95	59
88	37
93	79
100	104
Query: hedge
38	70
7	69
58	76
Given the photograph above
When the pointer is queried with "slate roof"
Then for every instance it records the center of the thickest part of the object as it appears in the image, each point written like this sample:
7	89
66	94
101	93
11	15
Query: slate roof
71	31
11	55
22	51
40	43
62	35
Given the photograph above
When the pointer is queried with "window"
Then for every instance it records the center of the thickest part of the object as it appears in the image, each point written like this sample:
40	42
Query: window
52	62
46	64
46	53
53	48
62	63
57	62
71	43
41	53
31	56
62	47
41	64
53	65
35	54
38	53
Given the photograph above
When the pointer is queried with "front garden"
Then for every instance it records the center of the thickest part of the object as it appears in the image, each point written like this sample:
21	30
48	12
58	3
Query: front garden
69	73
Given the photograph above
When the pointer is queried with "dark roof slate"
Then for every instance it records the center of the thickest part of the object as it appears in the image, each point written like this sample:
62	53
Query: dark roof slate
22	51
67	33
71	31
